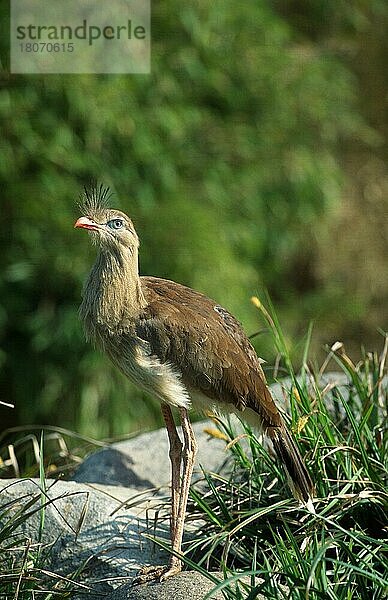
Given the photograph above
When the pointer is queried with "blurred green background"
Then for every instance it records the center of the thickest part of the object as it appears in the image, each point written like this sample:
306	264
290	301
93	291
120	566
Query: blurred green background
252	158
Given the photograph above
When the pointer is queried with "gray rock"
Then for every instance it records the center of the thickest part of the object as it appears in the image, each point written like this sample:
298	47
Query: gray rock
113	465
143	462
91	520
104	527
184	586
328	382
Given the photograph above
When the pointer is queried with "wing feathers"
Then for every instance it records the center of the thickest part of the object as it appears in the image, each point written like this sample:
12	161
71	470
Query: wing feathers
214	355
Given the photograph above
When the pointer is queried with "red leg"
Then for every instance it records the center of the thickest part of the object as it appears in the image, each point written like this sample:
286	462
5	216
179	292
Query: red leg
179	492
190	448
175	454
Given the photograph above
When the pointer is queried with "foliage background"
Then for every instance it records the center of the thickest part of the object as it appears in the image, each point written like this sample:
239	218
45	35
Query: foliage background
253	158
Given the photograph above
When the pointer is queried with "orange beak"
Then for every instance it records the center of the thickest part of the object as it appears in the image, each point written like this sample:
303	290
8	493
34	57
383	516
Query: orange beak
85	223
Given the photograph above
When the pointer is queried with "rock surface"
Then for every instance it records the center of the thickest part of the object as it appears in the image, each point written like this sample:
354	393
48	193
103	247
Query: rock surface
185	586
143	463
96	522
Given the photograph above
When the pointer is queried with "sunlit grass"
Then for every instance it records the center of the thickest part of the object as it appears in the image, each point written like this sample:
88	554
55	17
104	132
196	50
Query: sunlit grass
20	451
25	563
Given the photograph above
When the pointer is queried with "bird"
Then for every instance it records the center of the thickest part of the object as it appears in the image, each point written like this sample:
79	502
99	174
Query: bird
180	346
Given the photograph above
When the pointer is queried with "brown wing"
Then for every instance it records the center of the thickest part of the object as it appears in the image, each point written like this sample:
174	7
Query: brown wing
208	344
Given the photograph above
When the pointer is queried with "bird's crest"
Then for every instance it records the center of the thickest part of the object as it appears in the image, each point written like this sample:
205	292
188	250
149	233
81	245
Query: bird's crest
95	199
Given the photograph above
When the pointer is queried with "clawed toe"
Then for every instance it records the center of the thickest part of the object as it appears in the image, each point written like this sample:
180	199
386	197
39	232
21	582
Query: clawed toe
149	574
170	571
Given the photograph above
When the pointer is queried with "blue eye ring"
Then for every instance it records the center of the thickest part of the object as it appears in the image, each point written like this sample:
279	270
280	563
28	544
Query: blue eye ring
115	223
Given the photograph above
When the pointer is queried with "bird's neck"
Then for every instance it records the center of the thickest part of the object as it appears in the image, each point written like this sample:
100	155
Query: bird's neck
113	294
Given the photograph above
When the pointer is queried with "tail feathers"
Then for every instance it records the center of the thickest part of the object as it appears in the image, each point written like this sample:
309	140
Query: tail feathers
299	479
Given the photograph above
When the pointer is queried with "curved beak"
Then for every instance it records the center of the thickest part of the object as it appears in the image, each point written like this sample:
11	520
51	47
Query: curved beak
85	223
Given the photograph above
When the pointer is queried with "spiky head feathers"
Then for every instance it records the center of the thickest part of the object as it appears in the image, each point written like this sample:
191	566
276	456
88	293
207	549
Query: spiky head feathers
111	228
95	200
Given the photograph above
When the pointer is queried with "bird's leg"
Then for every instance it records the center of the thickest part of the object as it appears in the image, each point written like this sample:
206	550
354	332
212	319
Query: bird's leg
180	492
151	573
189	452
175	454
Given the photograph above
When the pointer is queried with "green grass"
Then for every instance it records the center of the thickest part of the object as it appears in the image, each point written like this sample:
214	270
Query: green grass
21	451
258	536
24	564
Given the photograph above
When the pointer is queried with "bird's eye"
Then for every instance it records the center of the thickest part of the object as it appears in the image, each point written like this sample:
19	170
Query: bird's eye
116	223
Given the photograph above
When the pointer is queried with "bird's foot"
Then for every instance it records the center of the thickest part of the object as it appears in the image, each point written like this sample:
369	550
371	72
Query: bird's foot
157	574
149	573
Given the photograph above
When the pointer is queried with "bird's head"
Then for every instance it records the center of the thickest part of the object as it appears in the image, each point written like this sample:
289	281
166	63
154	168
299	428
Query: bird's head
111	229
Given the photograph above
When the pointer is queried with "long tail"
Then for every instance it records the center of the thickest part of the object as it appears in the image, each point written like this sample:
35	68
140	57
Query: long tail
300	481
